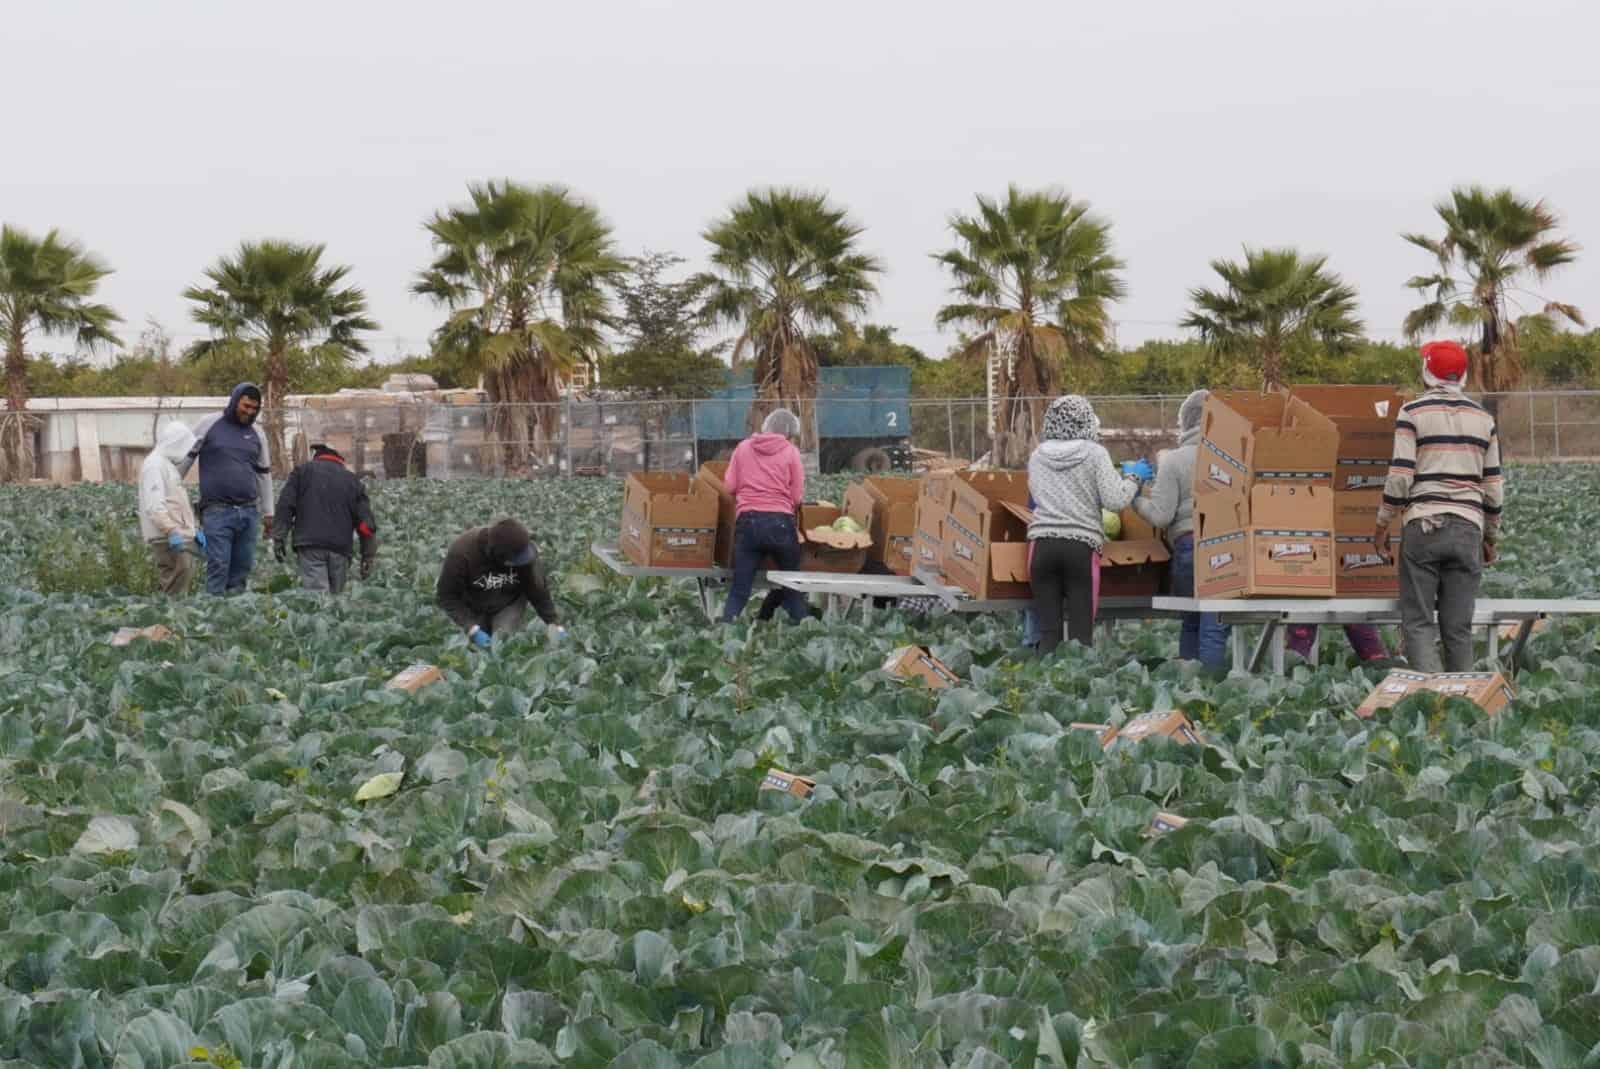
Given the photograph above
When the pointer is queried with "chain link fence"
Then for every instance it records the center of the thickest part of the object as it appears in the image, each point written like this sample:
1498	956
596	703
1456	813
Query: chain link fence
413	436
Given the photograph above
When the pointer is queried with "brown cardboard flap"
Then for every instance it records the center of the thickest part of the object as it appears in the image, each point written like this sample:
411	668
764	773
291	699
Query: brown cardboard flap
860	505
787	782
1127	551
126	636
1295	506
1021	512
1008	561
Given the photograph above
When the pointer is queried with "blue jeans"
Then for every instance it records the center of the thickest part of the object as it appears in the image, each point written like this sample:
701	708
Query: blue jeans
1203	636
1030	629
231	532
757	536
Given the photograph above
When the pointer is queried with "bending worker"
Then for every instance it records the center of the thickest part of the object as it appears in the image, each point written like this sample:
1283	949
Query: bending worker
489	578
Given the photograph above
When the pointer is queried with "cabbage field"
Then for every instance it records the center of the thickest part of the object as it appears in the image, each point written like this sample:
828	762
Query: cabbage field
578	868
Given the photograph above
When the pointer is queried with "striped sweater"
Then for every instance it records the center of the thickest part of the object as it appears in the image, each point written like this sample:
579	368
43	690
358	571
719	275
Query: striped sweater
1446	463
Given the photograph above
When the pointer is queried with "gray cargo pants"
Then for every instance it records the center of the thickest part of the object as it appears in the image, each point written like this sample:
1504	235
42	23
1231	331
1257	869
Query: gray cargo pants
323	569
1439	572
174	567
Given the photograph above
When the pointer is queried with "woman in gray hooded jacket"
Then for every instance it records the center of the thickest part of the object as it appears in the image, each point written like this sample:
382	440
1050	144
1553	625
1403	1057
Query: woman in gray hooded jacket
1071	478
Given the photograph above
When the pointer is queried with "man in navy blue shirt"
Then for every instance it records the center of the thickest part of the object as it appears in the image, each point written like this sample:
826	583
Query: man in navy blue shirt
235	489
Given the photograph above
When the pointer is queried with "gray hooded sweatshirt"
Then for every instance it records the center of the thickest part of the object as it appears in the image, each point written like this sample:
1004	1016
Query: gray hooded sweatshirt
1071	481
1170	503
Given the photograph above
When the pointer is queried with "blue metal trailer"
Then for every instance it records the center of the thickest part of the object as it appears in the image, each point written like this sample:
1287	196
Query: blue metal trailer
863	417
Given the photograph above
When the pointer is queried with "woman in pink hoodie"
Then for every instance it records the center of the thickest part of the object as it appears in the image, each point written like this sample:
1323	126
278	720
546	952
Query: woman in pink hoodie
768	482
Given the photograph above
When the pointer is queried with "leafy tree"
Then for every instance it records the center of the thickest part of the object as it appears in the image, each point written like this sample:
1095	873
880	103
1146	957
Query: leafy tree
524	273
786	265
1035	274
1492	241
1273	300
269	300
45	287
661	331
872	345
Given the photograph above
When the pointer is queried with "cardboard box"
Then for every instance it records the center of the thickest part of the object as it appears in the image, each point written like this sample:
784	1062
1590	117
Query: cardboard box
1172	724
127	636
1164	822
933	504
415	678
986	533
822	549
789	783
1102	732
1365	418
888	508
1249	438
918	662
1134	565
1359	571
1280	545
669	520
1490	691
712	472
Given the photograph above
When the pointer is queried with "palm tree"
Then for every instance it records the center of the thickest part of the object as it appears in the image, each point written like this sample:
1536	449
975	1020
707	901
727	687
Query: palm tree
1035	274
1273	299
1491	240
45	286
524	272
276	297
785	267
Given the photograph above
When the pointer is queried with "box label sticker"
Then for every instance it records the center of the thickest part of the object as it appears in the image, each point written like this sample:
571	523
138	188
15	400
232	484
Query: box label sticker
1220	561
1292	551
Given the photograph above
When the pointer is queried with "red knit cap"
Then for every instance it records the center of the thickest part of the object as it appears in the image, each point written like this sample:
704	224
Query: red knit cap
1445	360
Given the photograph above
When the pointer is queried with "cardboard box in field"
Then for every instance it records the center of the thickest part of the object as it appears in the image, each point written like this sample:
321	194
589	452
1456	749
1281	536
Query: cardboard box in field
1365	418
788	783
986	534
1490	691
1172	724
822	549
1358	570
127	636
1250	438
415	678
918	662
669	520
888	508
1164	822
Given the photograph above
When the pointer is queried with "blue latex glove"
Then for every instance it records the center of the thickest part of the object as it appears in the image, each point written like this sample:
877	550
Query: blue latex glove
558	633
175	540
481	639
1140	469
199	538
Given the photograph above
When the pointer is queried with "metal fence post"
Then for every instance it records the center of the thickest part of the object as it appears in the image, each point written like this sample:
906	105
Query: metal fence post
1533	430
566	438
1555	420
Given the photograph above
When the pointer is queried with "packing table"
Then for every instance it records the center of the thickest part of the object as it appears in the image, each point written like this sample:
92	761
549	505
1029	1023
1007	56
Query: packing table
1274	613
704	578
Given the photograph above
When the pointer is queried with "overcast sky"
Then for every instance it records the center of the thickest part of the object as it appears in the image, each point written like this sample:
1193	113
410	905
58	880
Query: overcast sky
163	132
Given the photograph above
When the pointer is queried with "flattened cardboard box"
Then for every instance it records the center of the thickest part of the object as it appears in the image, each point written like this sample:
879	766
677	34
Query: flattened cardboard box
986	535
918	662
1250	438
126	636
669	520
888	508
1164	822
788	783
415	678
1365	418
1280	545
1172	724
1490	691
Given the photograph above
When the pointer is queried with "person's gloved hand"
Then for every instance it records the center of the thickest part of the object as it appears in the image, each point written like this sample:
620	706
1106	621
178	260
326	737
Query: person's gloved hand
280	550
175	541
557	632
369	555
199	538
1140	469
367	564
481	639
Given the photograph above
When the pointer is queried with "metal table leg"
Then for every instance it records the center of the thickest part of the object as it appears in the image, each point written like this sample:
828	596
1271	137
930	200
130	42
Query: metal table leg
1268	631
1515	659
1494	643
1236	644
705	599
1316	647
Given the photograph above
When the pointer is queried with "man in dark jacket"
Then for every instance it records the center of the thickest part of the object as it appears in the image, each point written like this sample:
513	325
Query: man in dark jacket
235	488
489	578
321	505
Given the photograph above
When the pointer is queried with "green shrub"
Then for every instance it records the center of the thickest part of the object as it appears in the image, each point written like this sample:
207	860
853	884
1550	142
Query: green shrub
116	560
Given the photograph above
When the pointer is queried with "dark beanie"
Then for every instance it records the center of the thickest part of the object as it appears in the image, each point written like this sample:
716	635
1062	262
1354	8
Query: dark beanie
509	543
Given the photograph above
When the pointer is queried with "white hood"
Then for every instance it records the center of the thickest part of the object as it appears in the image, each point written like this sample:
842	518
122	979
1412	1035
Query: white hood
1061	455
175	441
